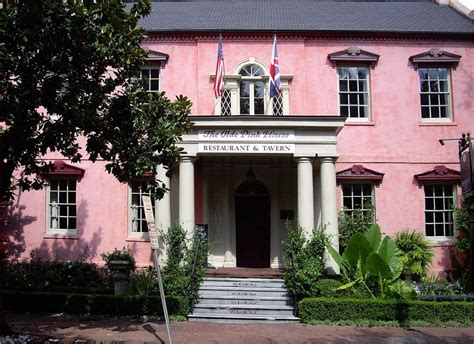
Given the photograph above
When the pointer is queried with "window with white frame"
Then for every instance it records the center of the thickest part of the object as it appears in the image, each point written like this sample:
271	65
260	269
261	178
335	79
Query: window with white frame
62	205
435	95
137	221
439	201
357	196
354	92
246	93
150	76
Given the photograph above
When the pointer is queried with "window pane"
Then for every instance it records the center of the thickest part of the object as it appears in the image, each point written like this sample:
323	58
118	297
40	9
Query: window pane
155	73
343	86
363	99
429	204
356	189
439	205
352	73
443	99
429	230
245	71
362	73
244	89
72	223
439	229
63	184
423	73
425	112
424	86
343	98
344	111
358	202
53	184
434	99
145	73
353	86
362	86
154	85
433	73
53	197
363	112
342	72
244	106
449	230
63	222
72	197
434	86
347	202
259	89
429	217
72	185
63	210
72	210
259	106
63	197
443	86
435	112
424	99
353	99
443	111
353	111
442	73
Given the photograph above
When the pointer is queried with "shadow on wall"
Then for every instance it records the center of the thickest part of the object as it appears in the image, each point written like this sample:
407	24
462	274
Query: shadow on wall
13	236
71	247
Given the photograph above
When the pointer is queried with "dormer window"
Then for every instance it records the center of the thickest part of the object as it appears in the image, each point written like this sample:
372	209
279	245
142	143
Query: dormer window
246	92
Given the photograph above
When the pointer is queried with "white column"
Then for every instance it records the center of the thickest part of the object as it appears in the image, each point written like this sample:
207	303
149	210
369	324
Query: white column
329	208
305	195
275	239
186	195
317	196
163	206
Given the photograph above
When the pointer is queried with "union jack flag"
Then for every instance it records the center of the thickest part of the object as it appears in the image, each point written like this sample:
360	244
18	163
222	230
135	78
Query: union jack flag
275	71
219	79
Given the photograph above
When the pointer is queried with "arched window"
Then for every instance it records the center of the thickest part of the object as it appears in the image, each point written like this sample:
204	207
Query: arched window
252	90
246	92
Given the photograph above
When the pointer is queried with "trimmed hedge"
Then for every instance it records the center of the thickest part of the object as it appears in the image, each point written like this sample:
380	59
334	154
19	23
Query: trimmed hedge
92	304
318	309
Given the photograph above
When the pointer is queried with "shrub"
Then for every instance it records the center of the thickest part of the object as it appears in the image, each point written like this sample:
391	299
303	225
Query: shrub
327	287
184	268
416	253
358	221
92	304
144	282
432	285
125	254
75	276
314	309
304	261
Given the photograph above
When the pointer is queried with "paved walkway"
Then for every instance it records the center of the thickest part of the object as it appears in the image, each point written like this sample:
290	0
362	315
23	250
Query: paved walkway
119	330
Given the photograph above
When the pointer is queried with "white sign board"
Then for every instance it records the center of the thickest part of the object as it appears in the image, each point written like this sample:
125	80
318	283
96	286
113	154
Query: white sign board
150	221
246	148
254	135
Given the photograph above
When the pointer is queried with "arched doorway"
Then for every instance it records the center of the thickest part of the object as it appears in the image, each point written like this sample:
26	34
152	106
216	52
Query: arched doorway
252	218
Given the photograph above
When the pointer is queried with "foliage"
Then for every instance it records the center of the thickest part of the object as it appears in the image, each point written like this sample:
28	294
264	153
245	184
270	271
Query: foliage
327	287
358	221
144	282
125	254
75	276
461	251
432	285
371	263
416	254
184	268
92	304
304	261
67	87
404	312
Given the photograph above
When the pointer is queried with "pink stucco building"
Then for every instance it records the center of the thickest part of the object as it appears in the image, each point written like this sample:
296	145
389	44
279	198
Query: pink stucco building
368	89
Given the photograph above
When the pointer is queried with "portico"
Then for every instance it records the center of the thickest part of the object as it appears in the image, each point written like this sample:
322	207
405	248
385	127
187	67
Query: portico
253	174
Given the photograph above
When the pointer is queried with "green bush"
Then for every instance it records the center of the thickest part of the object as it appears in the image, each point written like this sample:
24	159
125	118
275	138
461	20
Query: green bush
92	304
304	261
415	253
327	287
76	276
318	309
184	268
357	221
125	254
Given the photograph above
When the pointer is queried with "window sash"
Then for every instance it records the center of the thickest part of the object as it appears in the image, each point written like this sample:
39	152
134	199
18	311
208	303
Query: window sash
62	205
439	214
435	101
354	92
357	195
137	221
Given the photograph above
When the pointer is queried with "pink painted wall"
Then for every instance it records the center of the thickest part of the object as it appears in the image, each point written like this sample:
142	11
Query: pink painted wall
395	142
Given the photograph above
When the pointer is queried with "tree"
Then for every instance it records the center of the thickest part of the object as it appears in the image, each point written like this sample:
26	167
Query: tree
65	86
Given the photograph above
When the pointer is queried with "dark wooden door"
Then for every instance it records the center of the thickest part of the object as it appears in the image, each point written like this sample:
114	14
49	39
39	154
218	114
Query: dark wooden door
252	216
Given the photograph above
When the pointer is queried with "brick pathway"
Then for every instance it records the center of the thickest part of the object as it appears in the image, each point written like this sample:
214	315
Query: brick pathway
70	328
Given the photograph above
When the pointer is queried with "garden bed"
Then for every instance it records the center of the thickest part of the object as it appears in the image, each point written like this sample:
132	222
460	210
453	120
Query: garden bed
92	303
331	309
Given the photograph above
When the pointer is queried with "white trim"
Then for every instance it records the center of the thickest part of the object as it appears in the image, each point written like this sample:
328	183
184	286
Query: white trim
130	233
441	238
59	231
368	118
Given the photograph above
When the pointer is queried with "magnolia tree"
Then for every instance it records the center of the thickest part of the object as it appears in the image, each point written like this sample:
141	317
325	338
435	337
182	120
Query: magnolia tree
65	86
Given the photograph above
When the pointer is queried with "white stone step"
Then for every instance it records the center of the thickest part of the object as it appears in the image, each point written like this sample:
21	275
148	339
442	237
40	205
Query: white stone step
236	291
243	309
247	300
243	282
241	318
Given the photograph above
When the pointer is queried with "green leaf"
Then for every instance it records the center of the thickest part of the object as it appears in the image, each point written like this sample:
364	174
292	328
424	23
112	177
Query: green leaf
357	248
374	235
338	259
377	266
389	252
348	285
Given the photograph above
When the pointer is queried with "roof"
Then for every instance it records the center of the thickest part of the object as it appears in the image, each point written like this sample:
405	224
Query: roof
306	16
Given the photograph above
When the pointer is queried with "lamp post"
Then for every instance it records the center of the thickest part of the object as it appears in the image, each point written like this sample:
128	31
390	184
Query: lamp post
466	161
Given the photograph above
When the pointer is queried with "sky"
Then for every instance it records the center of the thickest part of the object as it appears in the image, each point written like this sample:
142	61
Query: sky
468	3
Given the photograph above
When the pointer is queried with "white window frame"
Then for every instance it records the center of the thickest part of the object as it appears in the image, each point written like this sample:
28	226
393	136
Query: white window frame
131	218
448	93
352	183
150	67
349	119
455	202
60	231
232	84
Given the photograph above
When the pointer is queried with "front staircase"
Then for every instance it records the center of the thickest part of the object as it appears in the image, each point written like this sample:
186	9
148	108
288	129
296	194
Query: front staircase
243	300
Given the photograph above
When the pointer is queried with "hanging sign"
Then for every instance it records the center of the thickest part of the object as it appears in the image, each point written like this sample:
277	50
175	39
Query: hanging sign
247	148
150	221
254	135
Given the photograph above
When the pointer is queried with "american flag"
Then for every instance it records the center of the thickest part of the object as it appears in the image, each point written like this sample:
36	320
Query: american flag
219	79
275	71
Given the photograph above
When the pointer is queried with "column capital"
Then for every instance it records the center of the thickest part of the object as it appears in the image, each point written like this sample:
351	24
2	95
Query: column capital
304	159
327	159
186	158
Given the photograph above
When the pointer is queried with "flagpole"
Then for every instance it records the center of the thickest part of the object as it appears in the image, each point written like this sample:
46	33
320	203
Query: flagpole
223	66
